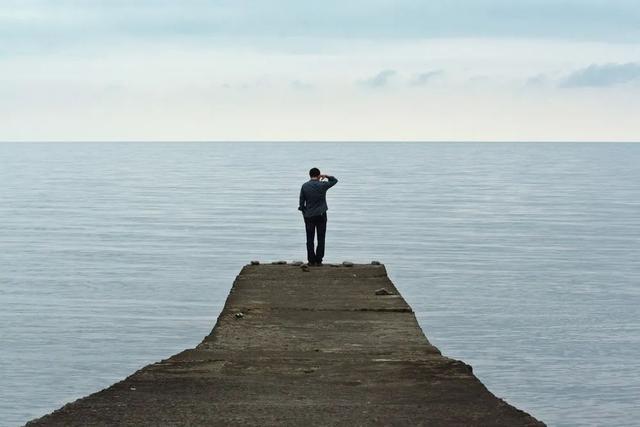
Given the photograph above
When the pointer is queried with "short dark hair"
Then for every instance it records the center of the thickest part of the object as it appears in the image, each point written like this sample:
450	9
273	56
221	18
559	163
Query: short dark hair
314	172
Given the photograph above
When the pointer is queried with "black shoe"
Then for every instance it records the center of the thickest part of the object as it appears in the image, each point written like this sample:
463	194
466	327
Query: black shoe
319	264
311	264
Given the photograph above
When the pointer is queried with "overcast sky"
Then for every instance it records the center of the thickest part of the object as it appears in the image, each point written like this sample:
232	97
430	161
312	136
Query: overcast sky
326	70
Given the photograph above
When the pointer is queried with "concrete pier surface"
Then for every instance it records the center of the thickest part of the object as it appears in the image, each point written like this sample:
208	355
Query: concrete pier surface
302	346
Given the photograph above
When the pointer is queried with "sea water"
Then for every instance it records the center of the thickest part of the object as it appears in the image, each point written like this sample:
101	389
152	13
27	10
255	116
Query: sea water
521	259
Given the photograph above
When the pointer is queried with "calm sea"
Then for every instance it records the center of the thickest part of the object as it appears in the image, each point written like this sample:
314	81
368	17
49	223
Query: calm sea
522	259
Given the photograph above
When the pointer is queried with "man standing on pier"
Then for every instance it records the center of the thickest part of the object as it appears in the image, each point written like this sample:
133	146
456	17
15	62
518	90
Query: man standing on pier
313	205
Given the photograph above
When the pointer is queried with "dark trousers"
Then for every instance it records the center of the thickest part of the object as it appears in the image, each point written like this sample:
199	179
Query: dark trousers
312	224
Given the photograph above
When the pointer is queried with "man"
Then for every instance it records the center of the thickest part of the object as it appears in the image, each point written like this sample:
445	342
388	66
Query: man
313	205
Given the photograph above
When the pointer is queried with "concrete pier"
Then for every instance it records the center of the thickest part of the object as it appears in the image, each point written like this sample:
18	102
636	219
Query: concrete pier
302	346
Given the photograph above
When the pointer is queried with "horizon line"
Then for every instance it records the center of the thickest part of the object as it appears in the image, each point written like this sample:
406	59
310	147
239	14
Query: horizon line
216	141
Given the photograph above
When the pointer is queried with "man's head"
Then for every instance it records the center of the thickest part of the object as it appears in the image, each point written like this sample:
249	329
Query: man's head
314	173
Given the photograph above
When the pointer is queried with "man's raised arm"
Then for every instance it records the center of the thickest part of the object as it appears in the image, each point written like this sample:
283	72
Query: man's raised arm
332	180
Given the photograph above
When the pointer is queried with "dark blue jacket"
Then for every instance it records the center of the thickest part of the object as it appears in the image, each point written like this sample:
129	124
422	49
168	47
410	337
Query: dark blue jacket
313	200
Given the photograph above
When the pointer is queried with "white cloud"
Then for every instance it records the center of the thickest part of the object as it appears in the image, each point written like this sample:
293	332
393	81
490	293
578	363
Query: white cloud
380	80
301	85
422	79
603	75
